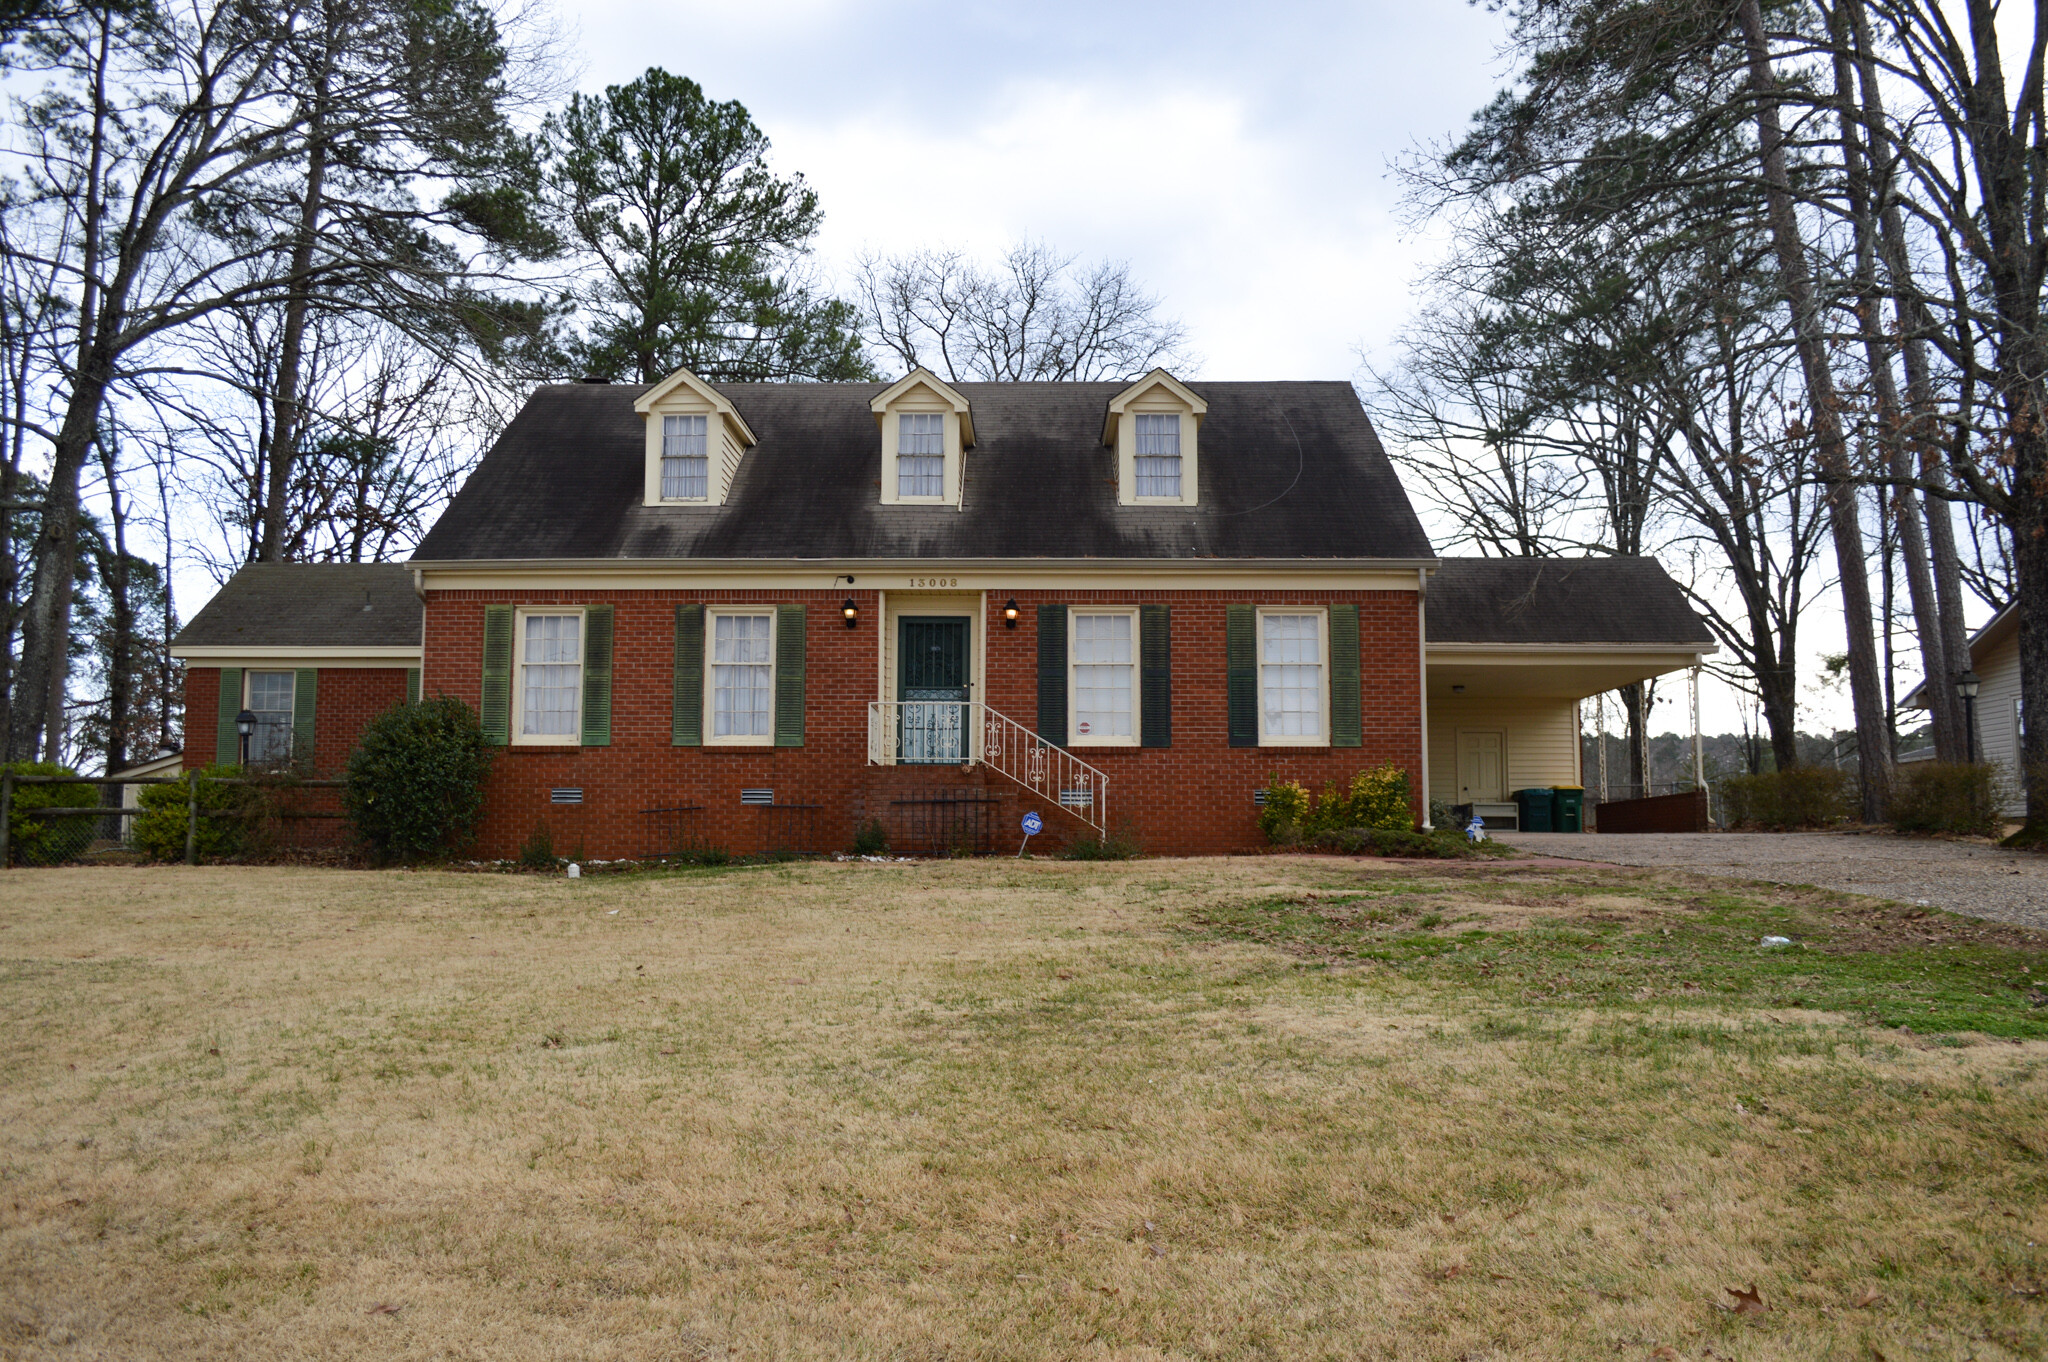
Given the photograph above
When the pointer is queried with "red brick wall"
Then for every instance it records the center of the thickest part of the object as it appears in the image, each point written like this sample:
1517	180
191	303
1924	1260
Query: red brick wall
1192	798
348	698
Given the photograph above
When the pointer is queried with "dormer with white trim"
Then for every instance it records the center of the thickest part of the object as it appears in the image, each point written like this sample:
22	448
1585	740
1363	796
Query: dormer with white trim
1153	425
695	438
926	427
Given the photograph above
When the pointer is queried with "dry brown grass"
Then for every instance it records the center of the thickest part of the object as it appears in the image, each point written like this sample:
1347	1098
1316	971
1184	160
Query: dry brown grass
985	1109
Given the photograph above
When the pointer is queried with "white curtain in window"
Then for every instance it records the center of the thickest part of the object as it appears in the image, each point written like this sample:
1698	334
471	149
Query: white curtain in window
921	454
551	675
1158	456
1102	676
685	457
270	700
1291	674
742	676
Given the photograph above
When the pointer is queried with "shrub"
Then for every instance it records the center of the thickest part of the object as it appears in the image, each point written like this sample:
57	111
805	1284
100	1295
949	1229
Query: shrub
871	839
1948	796
1803	797
1121	845
1284	818
415	780
1442	844
1378	798
33	840
160	827
538	851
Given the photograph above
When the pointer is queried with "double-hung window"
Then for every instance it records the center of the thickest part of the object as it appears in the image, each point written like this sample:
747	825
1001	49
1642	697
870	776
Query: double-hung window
742	677
270	700
1105	686
1158	456
1293	677
685	458
551	677
921	454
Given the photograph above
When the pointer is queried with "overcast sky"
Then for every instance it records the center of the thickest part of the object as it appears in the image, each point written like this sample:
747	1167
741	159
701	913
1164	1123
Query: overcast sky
1235	155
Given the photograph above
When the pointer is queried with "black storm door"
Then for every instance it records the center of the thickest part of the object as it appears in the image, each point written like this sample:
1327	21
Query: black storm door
931	682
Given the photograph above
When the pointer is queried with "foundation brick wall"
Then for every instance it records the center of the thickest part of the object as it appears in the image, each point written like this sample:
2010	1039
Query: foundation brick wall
1192	798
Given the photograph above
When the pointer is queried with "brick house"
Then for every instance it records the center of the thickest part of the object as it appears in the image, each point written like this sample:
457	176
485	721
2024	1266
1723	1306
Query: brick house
759	616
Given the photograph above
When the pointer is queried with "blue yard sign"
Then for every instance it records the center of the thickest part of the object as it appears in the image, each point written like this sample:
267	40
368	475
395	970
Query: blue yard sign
1032	823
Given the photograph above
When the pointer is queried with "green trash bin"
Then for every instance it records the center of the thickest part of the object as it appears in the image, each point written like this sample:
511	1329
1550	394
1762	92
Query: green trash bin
1533	809
1568	808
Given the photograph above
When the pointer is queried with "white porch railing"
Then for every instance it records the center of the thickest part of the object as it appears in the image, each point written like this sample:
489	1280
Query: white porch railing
960	733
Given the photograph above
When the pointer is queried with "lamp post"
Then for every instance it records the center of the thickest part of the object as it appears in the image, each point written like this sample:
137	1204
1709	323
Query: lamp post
245	724
1966	686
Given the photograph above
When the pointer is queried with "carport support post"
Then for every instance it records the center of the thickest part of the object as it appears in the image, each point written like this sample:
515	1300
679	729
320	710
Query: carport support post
1699	760
6	818
1600	722
192	817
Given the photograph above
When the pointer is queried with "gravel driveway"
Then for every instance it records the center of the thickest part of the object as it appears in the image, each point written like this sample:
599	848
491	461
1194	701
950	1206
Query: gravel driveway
1982	881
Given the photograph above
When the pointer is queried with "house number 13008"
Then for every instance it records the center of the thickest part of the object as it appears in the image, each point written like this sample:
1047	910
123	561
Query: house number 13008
934	581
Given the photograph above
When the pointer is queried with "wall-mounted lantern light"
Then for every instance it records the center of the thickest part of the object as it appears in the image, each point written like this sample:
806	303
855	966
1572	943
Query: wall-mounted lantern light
1010	613
851	611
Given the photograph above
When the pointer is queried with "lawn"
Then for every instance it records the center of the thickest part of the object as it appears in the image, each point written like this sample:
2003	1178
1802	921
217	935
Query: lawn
1246	1108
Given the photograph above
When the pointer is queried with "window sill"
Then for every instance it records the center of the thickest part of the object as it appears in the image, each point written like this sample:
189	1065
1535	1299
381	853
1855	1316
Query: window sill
768	741
1293	742
573	740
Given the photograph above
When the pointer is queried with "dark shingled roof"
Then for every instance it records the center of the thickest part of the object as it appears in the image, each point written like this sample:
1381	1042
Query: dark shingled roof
1287	470
1560	600
310	605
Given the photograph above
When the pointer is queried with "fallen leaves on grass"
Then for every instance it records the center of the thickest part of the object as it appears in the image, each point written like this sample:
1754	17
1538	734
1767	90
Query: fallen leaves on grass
1870	1297
384	1308
1747	1301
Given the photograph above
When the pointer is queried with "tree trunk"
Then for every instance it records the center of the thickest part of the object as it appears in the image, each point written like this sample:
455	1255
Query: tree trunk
285	418
121	625
1810	342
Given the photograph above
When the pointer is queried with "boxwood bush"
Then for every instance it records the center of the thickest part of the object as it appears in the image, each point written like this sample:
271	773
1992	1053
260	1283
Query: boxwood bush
416	778
36	840
1948	796
1803	797
160	827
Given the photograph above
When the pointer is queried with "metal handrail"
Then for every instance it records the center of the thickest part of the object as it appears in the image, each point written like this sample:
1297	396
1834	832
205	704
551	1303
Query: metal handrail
1008	748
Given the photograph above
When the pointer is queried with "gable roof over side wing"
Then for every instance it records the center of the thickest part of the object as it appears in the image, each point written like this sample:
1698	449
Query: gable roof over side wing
334	606
1288	471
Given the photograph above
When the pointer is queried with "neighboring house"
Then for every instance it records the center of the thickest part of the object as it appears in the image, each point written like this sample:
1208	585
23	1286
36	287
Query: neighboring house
1995	657
762	615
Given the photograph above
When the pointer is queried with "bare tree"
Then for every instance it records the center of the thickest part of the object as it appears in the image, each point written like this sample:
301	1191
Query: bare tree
1033	317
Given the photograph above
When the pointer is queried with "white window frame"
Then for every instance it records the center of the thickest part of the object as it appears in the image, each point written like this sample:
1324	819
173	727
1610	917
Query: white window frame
901	417
519	736
711	736
292	712
710	456
1074	737
1259	673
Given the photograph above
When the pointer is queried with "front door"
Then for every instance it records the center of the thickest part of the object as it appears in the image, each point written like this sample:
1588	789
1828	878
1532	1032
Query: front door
1482	767
931	681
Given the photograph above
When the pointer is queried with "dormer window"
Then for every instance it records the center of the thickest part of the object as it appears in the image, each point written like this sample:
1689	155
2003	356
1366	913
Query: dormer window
685	458
695	440
920	454
1153	426
926	428
1158	456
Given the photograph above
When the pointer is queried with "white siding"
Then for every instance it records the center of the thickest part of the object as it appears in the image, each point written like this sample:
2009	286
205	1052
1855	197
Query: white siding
1998	694
728	467
1542	740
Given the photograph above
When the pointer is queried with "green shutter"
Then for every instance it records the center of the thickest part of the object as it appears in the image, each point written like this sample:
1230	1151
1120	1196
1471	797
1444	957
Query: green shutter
496	710
1241	657
789	676
1347	724
412	685
688	712
597	676
1052	674
1155	676
227	744
305	699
